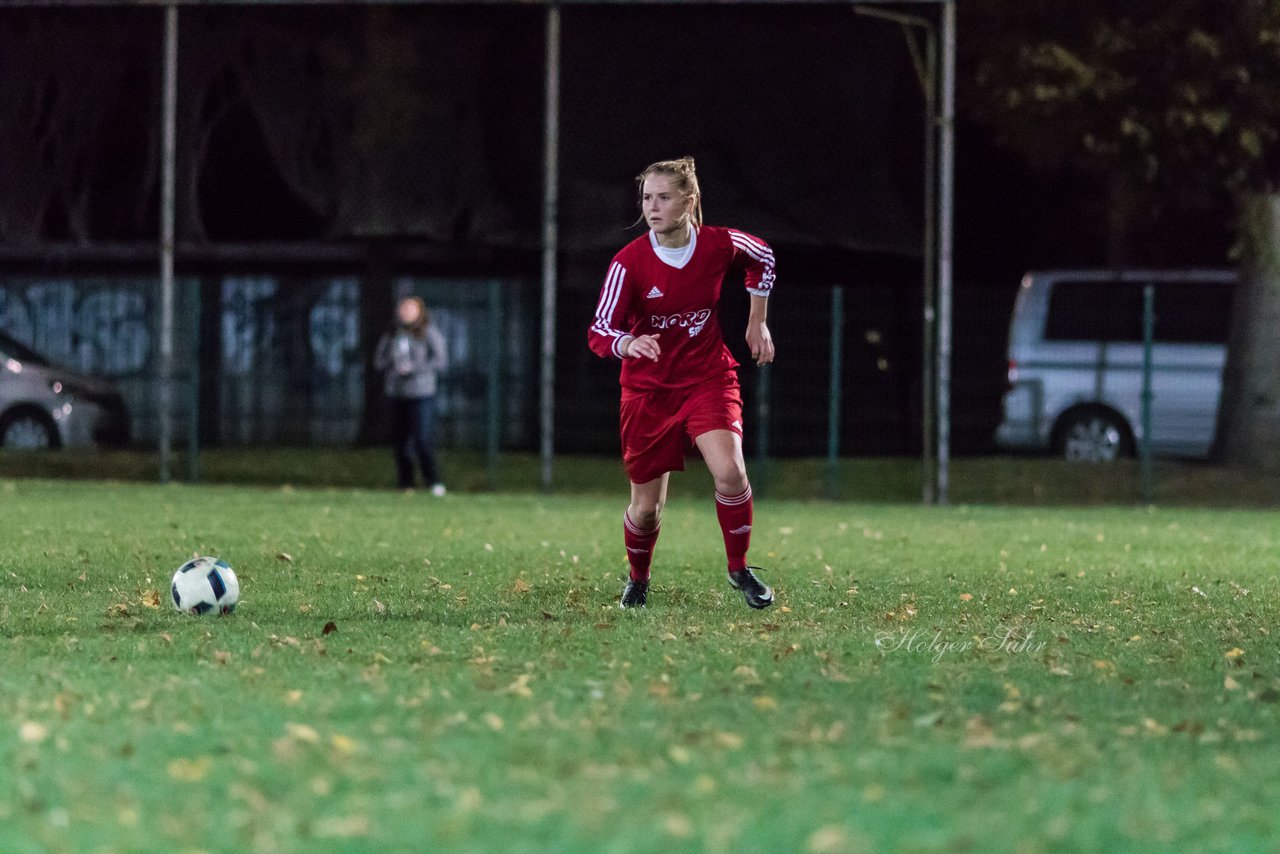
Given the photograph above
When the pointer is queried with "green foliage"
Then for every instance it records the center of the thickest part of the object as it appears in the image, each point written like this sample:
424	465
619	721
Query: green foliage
414	674
1183	97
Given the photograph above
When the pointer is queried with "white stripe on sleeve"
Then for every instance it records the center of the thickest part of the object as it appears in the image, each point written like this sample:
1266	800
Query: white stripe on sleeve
609	296
758	251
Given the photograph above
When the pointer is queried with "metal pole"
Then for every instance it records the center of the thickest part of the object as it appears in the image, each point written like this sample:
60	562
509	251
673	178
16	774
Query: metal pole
929	333
168	172
550	240
833	396
494	402
1148	337
946	202
193	427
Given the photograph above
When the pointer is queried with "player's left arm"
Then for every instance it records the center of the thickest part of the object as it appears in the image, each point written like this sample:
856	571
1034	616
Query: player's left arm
755	257
758	337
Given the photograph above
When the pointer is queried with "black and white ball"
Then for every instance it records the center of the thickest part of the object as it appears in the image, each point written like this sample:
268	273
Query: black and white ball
205	585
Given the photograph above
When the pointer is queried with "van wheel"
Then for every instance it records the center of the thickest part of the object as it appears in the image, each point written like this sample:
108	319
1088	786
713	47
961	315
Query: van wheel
1093	436
28	429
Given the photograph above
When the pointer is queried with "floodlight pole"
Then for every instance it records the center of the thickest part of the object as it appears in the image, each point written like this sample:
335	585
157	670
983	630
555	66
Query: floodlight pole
168	174
550	242
946	215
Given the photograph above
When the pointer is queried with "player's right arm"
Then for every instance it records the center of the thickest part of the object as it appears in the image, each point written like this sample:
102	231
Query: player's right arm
609	334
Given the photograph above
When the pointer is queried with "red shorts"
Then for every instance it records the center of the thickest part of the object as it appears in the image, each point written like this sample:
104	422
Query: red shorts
658	427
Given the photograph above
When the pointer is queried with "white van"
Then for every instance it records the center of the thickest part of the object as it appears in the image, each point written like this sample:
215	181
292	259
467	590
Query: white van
1075	362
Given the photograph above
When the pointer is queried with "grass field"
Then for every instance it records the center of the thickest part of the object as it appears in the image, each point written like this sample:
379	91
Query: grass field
980	678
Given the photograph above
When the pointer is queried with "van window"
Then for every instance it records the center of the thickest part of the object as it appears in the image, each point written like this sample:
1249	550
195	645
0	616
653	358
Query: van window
1186	312
1094	311
1193	312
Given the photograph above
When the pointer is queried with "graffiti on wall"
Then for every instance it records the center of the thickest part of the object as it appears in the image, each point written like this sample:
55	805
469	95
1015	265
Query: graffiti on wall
98	328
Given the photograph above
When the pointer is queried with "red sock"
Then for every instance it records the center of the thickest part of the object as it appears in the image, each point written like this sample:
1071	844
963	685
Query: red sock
734	513
639	547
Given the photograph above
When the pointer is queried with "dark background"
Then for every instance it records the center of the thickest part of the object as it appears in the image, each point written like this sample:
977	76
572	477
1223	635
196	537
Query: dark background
408	140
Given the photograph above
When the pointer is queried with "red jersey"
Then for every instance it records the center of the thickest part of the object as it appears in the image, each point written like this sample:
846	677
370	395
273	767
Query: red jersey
644	294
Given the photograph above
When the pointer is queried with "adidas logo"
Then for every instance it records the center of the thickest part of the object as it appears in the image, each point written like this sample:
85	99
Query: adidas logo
745	529
654	293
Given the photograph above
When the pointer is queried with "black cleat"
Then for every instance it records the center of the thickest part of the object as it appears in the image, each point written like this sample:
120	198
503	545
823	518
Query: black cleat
634	594
757	593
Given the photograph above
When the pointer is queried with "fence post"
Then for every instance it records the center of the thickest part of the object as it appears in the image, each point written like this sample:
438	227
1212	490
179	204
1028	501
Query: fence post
494	402
193	426
167	185
1148	336
833	396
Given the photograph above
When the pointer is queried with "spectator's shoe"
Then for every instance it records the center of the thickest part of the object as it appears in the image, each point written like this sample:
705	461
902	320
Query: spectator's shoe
634	594
438	490
757	593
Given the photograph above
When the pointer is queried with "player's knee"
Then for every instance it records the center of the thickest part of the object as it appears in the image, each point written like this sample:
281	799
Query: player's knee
646	516
732	481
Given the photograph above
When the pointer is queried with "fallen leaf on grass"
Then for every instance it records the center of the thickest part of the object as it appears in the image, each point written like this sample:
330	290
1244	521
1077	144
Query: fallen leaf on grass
978	733
329	628
341	826
827	840
32	732
302	732
965	597
151	598
765	702
677	825
1230	684
285	556
343	744
521	586
520	687
493	721
728	740
221	657
379	607
1235	652
190	770
1154	727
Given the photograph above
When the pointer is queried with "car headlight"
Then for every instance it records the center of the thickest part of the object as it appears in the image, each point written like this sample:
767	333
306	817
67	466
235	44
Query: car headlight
73	389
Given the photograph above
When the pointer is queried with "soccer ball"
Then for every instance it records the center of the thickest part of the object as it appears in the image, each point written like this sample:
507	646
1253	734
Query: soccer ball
205	584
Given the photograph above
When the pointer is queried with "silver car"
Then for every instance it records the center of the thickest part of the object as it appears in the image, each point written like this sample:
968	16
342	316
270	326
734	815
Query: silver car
43	405
1076	362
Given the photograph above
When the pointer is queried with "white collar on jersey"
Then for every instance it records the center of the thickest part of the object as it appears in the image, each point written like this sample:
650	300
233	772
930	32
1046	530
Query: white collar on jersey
675	257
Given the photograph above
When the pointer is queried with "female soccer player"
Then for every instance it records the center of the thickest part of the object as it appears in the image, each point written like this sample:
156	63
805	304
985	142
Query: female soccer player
658	314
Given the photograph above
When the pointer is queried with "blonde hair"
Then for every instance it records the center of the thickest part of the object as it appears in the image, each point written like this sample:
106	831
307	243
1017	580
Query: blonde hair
685	176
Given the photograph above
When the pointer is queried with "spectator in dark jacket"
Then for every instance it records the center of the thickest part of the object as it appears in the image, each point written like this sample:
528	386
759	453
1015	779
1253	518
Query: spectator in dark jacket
412	355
